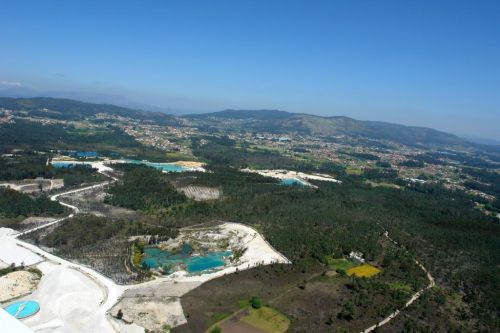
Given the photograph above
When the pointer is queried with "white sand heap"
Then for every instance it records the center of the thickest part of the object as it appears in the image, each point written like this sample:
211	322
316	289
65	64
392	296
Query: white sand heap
301	176
12	253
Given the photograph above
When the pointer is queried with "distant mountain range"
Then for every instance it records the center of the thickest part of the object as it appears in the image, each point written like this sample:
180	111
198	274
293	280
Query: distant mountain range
89	97
68	109
273	121
282	121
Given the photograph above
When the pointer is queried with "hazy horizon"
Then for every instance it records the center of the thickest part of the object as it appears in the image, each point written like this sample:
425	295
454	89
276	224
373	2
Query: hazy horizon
421	64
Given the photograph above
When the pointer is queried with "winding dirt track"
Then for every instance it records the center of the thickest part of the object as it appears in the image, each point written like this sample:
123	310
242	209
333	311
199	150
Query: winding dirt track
412	299
113	292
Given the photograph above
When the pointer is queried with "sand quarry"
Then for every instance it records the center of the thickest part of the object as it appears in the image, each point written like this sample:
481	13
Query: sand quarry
75	298
301	176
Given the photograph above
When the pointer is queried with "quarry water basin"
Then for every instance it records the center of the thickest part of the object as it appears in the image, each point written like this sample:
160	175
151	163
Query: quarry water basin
167	167
154	257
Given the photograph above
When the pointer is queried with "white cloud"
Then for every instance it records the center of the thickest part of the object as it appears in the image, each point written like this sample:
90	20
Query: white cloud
10	83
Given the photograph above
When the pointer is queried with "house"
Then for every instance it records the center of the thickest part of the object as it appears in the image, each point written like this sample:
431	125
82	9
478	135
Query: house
356	255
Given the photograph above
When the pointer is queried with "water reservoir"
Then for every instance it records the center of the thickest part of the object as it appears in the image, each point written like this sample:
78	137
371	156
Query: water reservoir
154	257
23	309
167	167
293	181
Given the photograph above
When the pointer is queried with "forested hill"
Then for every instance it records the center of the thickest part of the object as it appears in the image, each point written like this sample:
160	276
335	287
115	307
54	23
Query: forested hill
283	122
67	109
271	121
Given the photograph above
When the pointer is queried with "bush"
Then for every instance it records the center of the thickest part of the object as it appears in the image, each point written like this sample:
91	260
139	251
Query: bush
256	302
119	315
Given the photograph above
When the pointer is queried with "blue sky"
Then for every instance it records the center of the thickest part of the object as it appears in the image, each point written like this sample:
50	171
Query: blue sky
426	63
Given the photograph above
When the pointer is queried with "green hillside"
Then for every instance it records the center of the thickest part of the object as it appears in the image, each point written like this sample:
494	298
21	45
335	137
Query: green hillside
283	122
67	109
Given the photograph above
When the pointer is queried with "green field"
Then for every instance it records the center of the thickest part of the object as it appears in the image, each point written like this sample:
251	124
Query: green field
267	319
339	264
353	171
382	184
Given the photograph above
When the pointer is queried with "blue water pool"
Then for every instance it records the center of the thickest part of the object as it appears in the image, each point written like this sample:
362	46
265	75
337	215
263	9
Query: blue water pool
209	261
23	309
292	181
167	167
154	258
69	164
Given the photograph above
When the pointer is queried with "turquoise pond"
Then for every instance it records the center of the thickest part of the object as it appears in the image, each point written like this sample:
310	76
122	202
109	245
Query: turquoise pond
292	181
154	257
167	167
85	154
23	309
69	164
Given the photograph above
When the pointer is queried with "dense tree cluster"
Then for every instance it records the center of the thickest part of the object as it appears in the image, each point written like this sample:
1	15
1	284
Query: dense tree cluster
26	166
145	189
102	243
88	230
14	204
31	135
31	165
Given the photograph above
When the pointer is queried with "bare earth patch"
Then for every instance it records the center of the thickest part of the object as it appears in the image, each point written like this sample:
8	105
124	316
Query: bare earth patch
16	284
201	193
34	185
151	314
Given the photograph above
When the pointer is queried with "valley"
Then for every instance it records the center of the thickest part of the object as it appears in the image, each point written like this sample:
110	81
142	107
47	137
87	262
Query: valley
244	220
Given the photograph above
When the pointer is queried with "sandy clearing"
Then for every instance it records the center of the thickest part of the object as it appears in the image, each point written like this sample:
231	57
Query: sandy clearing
11	253
160	311
68	301
285	174
161	288
34	185
189	164
114	291
16	284
122	327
